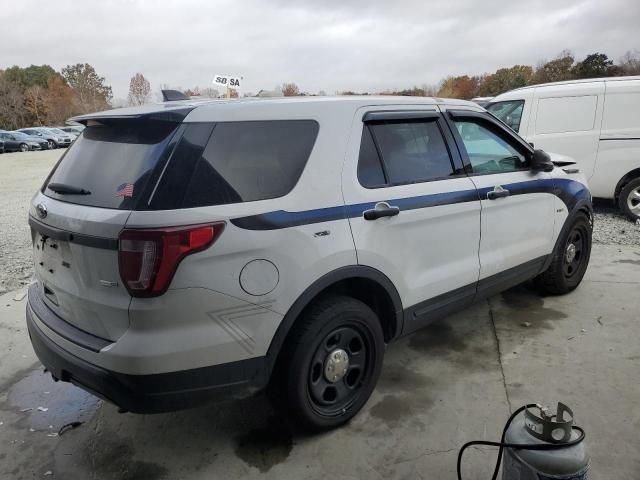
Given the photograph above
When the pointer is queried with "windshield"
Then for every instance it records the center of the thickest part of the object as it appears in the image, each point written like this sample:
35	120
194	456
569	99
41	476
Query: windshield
510	112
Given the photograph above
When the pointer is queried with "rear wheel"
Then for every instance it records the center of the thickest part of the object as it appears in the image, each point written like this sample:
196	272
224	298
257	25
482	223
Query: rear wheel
629	199
330	363
24	147
570	262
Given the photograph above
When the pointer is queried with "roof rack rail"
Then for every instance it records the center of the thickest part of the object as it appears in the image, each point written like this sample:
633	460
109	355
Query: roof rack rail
173	96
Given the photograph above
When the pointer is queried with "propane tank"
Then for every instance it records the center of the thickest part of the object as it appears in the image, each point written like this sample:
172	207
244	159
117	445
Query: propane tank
544	427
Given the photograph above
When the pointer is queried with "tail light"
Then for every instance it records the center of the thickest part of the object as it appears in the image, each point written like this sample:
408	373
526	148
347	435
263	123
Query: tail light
148	258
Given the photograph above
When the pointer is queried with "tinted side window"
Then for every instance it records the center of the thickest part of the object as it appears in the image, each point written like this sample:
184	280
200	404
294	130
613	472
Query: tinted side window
413	151
370	173
242	162
489	151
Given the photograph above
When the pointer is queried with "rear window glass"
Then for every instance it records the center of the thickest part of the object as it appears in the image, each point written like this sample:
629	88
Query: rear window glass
241	162
112	162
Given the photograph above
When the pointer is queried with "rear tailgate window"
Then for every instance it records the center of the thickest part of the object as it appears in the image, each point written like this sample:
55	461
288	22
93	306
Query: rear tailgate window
235	162
113	162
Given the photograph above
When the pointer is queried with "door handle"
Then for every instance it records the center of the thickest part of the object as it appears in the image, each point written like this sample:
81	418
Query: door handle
382	209
498	192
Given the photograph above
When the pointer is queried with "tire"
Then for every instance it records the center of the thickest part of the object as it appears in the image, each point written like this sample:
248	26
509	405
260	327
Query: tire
24	147
569	264
51	144
332	327
629	199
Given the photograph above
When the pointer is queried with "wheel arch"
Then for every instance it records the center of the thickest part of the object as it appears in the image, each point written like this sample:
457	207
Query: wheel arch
633	174
364	283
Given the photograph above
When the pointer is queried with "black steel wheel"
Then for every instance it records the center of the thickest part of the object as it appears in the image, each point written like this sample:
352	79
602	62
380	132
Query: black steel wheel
574	252
330	363
570	260
338	369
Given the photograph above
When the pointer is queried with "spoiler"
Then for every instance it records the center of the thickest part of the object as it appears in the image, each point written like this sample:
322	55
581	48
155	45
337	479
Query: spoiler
173	96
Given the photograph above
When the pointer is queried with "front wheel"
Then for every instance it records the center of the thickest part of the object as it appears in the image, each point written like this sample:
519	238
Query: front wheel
330	363
24	147
51	144
629	200
570	262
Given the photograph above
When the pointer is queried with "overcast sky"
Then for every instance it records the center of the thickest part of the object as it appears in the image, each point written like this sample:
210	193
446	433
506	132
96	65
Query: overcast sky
320	45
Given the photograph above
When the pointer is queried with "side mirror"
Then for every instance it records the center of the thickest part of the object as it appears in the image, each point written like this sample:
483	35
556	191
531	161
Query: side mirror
541	161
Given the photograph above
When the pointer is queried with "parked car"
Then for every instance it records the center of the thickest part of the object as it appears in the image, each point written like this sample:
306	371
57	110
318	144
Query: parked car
42	144
53	140
595	121
193	247
74	129
1	145
18	142
67	138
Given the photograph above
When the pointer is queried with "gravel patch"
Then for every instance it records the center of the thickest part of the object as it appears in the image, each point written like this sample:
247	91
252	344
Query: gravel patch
611	227
21	174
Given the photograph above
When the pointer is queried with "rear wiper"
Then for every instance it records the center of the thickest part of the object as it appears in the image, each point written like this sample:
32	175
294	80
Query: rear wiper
64	189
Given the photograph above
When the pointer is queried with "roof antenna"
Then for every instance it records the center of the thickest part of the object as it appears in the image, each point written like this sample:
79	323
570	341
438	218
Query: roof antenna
173	96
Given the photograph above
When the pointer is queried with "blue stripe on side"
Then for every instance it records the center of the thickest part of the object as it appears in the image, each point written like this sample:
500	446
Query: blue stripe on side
569	191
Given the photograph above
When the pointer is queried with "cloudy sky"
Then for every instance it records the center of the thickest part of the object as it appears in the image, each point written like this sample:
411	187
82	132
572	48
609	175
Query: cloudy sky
361	45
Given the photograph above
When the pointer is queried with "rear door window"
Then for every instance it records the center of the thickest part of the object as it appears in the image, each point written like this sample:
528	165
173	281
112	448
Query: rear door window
113	162
241	162
412	151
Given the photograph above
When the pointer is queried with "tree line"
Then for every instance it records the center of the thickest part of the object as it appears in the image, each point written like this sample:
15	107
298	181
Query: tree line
39	95
563	67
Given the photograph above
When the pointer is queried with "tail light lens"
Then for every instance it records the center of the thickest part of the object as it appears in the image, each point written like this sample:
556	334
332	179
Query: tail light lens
148	258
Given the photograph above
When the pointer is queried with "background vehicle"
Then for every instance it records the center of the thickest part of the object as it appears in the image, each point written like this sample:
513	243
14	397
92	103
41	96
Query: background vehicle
41	143
74	130
66	136
283	242
53	140
16	142
482	101
1	145
595	121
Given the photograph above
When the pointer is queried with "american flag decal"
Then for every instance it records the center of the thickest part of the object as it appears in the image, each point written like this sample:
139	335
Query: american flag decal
125	190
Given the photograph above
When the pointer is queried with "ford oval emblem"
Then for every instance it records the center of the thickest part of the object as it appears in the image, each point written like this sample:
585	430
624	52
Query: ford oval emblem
42	210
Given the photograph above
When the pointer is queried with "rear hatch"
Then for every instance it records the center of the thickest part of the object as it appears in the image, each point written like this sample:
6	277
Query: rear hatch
83	206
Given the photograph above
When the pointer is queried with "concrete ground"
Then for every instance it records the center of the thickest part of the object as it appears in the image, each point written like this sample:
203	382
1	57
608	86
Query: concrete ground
450	383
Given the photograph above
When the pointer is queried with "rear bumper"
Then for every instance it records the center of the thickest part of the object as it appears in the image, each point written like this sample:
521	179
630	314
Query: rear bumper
153	393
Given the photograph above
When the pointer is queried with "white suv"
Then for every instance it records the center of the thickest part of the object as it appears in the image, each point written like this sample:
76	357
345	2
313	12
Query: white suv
190	247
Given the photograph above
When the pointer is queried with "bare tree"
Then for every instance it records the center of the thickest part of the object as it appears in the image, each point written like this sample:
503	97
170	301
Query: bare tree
210	92
630	62
12	111
290	89
139	89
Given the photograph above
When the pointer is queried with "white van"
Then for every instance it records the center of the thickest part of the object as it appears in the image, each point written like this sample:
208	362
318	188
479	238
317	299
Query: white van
595	121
